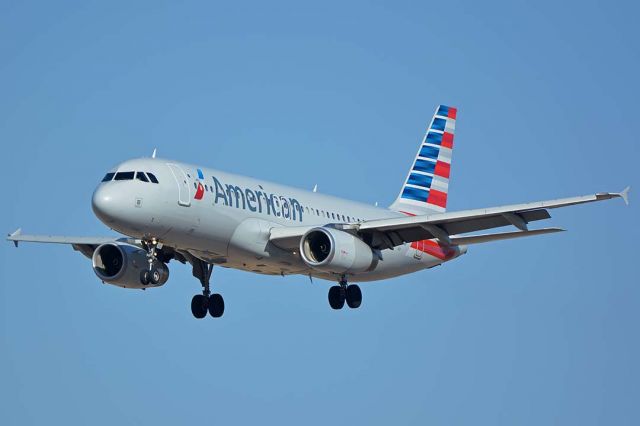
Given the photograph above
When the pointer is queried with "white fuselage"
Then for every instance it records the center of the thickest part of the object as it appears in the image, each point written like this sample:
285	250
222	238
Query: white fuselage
226	219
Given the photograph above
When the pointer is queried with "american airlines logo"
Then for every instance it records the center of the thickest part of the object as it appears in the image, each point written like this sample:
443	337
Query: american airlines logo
257	200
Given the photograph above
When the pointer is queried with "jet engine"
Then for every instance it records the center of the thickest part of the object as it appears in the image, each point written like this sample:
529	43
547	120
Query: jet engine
124	264
335	251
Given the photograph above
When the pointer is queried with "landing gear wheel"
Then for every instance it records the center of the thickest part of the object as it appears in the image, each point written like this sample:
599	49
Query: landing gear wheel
205	302
155	275
354	296
199	305
145	277
336	297
216	305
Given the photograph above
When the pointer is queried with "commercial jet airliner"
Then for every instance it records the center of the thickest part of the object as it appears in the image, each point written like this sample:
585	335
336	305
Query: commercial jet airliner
169	210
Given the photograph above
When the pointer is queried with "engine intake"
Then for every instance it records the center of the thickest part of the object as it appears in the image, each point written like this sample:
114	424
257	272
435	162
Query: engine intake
122	265
335	251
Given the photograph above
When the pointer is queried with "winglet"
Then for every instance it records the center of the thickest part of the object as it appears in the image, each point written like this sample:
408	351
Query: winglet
154	153
16	233
625	195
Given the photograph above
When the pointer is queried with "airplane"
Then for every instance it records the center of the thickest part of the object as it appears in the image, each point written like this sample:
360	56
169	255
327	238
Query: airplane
173	211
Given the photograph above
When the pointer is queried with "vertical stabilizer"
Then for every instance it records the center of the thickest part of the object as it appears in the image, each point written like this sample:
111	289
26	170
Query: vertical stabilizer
426	186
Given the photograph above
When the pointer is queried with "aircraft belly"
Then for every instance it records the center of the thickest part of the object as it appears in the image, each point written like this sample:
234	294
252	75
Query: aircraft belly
259	258
250	249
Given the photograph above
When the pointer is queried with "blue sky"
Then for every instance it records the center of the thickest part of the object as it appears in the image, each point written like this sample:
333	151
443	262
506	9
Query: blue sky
535	331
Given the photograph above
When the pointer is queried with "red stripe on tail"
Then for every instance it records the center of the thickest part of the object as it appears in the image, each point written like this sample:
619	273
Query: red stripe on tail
442	169
447	140
437	198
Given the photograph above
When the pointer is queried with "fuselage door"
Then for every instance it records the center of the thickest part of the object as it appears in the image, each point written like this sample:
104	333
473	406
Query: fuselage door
184	188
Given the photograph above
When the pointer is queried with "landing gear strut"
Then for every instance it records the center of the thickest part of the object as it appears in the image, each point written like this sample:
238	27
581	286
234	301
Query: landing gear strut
205	302
157	273
338	294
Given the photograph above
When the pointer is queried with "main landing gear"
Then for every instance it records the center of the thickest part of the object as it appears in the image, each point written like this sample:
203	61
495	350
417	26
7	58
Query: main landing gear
338	294
205	302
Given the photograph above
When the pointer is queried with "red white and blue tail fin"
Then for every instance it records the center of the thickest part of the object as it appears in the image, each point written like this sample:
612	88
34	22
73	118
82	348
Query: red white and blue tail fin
427	184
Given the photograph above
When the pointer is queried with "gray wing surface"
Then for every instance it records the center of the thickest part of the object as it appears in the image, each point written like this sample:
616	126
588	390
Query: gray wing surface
388	233
85	245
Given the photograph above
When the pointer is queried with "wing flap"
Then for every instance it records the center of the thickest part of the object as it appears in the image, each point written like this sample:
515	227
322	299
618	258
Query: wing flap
485	238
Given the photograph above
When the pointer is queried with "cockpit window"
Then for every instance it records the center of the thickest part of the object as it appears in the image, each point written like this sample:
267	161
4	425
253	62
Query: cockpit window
141	176
152	177
124	176
108	177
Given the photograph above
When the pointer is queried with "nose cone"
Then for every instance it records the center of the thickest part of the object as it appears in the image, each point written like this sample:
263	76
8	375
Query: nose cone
105	203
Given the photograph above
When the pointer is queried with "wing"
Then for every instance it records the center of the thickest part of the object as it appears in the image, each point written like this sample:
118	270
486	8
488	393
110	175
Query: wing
388	233
85	245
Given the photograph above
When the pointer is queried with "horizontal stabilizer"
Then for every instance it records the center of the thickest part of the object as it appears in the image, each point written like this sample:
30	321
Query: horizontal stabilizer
485	238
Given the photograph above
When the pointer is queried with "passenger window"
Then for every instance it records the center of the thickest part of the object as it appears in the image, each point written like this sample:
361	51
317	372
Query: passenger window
152	177
343	219
124	176
333	215
141	176
108	177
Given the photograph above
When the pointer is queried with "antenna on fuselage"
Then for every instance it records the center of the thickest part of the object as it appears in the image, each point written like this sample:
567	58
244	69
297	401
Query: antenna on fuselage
154	153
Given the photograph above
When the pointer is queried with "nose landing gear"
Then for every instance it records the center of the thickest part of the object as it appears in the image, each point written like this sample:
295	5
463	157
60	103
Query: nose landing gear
338	294
157	273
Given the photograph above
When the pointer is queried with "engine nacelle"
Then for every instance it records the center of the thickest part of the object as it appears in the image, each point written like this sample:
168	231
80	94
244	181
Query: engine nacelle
335	251
122	265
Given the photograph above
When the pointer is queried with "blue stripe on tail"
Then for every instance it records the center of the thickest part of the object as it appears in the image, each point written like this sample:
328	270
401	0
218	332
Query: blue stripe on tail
419	180
424	166
415	194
